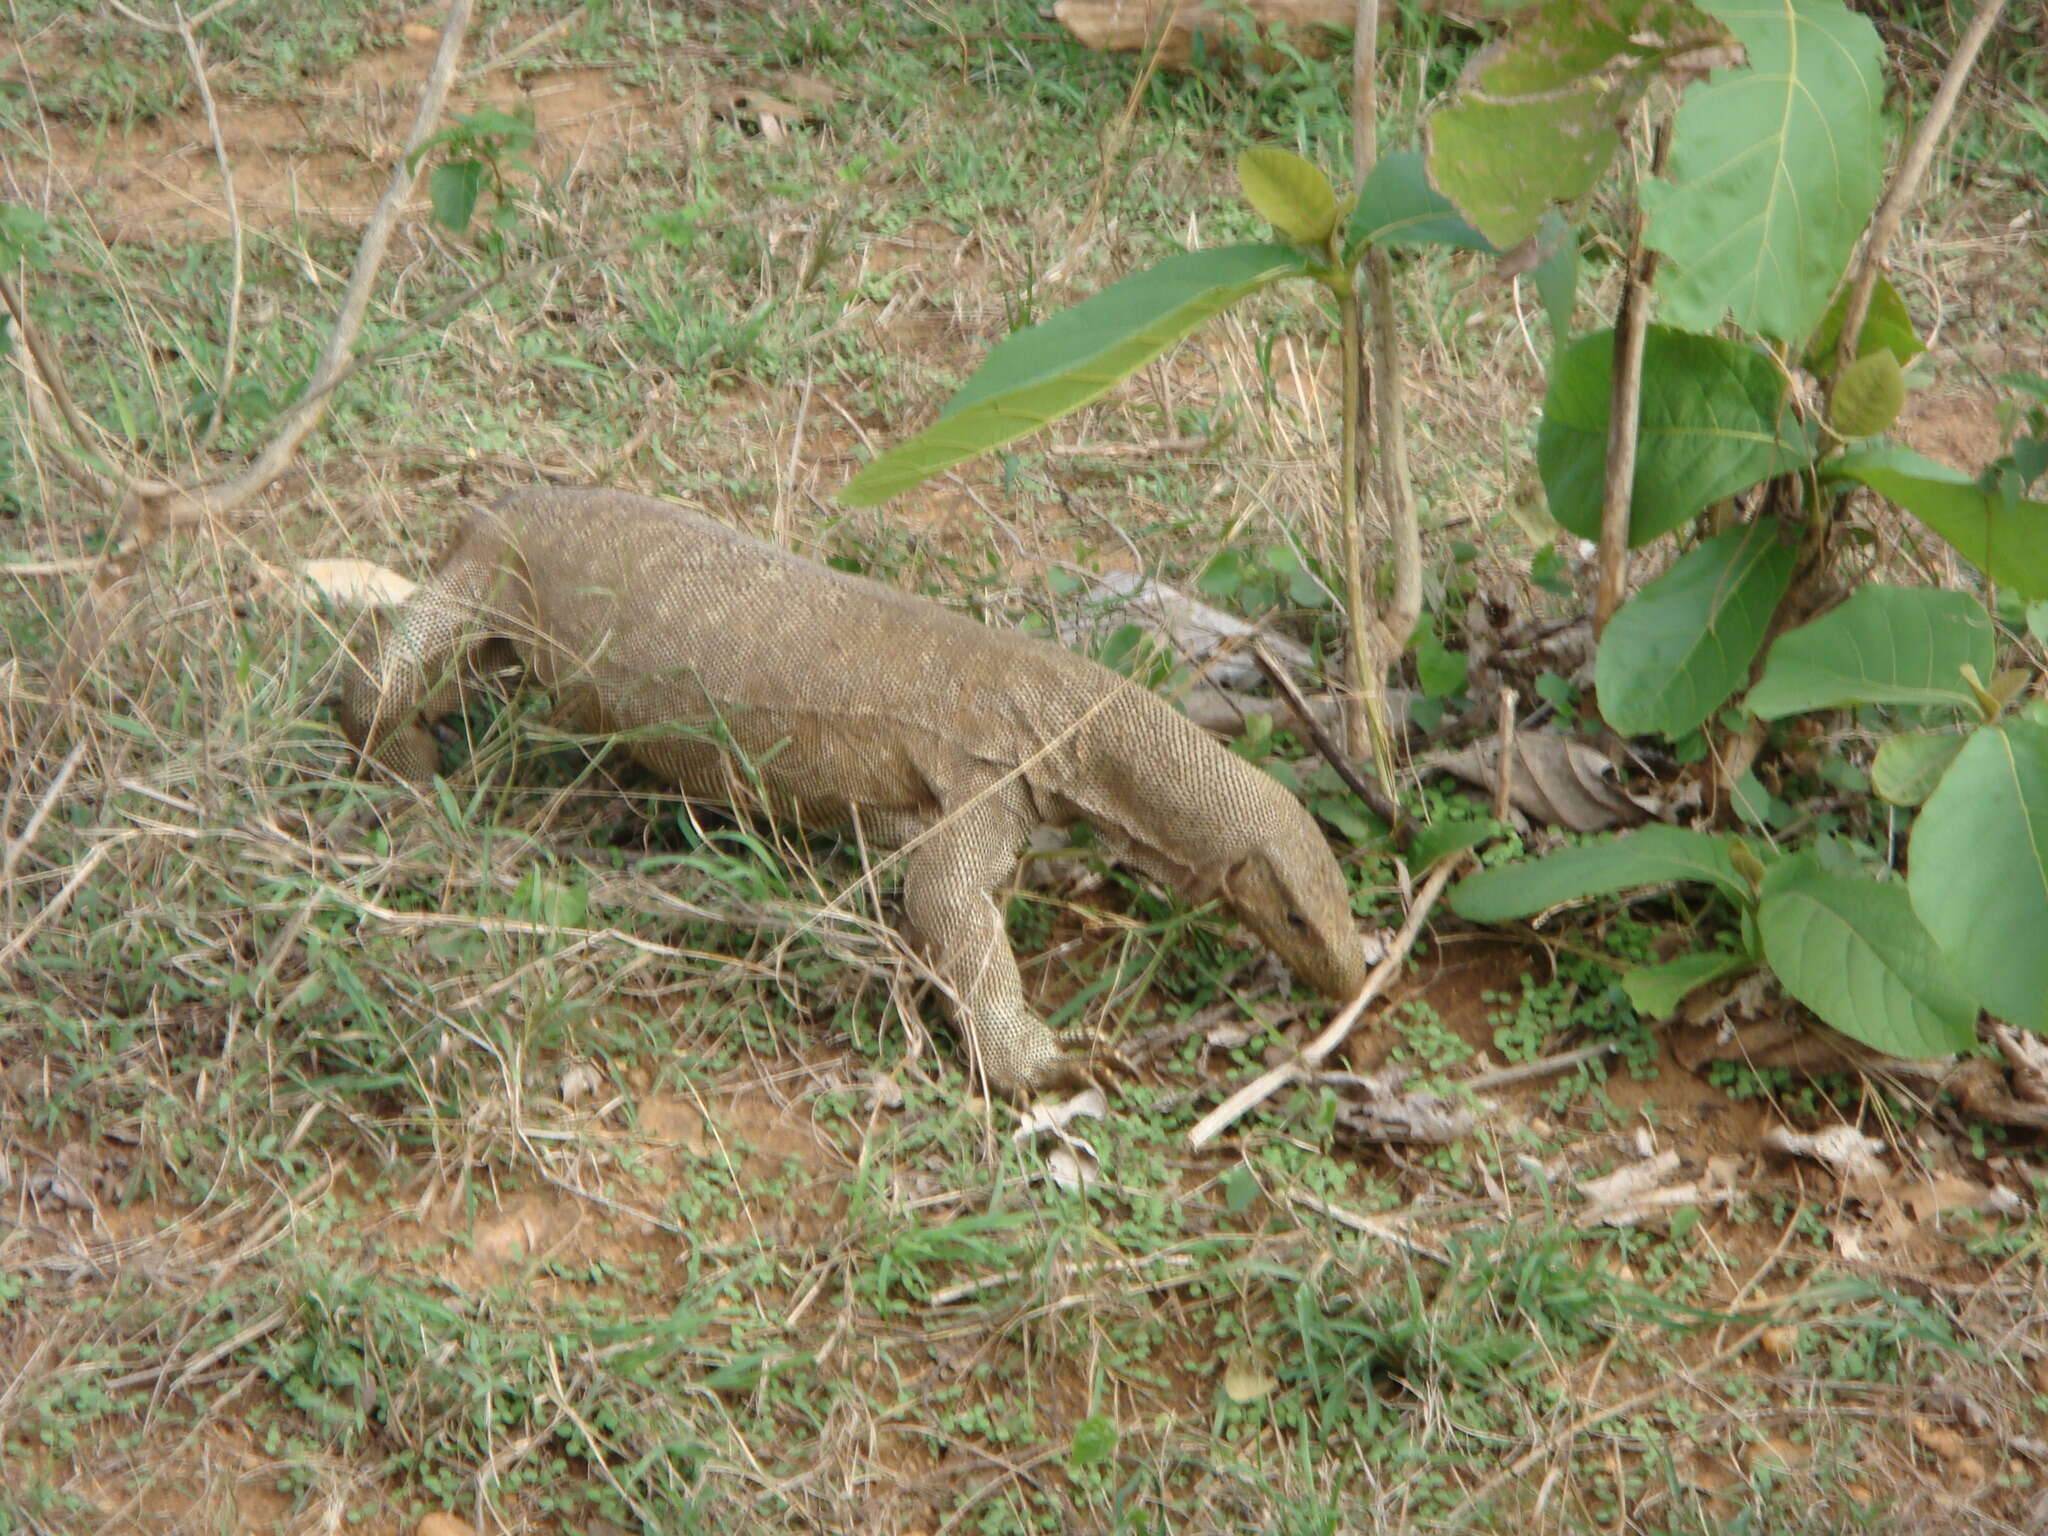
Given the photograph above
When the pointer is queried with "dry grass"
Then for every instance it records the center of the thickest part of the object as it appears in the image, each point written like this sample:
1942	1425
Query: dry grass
542	1151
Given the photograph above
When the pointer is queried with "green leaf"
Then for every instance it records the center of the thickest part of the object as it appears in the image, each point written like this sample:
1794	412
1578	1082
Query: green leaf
1680	647
2006	541
1534	121
454	187
1290	193
1440	670
1887	325
1901	646
1773	172
1714	420
1869	395
1436	842
1655	991
1649	856
1977	869
1853	952
1907	767
1397	206
1076	356
1094	1441
1556	276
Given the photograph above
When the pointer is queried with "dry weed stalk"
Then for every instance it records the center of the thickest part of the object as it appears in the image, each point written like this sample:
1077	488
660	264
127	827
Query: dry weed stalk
148	508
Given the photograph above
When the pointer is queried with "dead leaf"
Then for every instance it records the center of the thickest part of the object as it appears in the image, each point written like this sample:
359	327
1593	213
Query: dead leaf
356	583
1088	1103
420	32
1629	1180
1424	1119
579	1083
1073	1165
1246	1379
2028	1056
1935	1196
884	1092
1557	781
1218	643
1842	1148
441	1523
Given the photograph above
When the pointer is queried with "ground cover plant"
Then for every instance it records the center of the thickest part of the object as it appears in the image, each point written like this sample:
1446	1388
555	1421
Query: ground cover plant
551	1155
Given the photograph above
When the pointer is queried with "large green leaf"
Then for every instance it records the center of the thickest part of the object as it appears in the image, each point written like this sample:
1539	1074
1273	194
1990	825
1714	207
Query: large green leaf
1714	420
1682	645
1978	869
1649	856
1534	121
1038	375
1852	951
1774	169
2006	541
1398	206
1885	645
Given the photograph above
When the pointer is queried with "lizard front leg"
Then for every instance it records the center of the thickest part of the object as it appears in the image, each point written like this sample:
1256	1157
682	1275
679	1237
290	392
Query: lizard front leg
949	885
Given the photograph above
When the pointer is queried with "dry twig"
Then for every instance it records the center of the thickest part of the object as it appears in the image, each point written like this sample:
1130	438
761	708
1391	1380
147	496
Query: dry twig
1263	1087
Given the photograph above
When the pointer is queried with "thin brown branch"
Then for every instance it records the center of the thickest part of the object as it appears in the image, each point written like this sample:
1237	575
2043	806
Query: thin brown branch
196	57
51	378
273	458
1624	406
1381	803
1891	213
1263	1087
1364	715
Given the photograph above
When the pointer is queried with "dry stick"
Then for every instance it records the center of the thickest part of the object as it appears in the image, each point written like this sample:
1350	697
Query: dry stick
1382	803
1891	213
46	372
197	58
1263	1087
273	458
1625	399
1365	711
1504	771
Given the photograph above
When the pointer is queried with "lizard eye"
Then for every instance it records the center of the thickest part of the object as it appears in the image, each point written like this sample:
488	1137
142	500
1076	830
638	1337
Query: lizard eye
1296	921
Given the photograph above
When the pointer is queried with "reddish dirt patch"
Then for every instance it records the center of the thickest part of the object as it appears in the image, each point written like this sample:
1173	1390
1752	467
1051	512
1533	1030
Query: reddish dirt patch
325	158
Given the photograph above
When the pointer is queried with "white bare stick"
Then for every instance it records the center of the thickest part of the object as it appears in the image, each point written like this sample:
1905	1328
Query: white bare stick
196	57
1263	1087
276	455
1906	185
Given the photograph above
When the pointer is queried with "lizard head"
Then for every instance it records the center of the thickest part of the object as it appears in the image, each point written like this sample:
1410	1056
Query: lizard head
1292	895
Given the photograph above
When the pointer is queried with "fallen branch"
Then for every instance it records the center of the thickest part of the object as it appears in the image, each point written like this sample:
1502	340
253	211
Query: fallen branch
1312	1056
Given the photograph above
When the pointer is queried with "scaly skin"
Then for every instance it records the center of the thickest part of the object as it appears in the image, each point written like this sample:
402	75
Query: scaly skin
752	677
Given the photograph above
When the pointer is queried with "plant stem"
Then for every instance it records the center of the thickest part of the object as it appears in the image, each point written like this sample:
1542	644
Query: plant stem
1906	185
1624	406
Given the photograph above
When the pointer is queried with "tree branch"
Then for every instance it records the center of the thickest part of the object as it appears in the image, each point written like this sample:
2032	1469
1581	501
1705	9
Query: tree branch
1891	213
196	56
273	458
1624	406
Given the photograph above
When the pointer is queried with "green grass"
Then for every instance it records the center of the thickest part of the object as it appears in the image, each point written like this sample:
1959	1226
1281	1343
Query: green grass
537	1150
